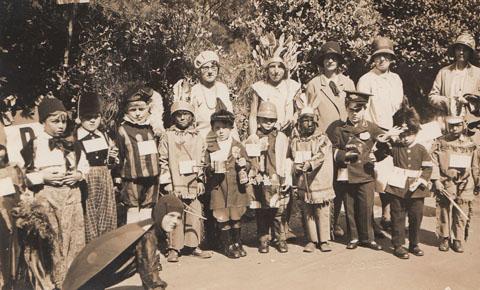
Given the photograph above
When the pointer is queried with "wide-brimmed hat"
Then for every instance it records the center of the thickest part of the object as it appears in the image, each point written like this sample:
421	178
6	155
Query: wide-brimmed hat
465	39
329	47
382	45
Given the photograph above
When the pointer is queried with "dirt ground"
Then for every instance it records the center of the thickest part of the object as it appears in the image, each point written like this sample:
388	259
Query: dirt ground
340	269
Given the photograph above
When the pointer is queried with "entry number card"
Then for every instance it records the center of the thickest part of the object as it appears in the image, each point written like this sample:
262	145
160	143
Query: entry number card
147	147
253	150
94	145
187	166
6	186
302	156
397	178
460	161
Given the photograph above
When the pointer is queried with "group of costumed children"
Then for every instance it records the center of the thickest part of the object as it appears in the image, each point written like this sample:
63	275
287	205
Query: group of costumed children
221	177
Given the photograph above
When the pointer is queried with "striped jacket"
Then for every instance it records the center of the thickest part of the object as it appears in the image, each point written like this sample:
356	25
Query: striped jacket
137	156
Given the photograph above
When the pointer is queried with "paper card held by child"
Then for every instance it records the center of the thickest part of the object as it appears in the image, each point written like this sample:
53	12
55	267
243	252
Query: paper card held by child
147	147
34	178
187	167
94	145
397	178
253	150
6	186
460	161
342	174
302	156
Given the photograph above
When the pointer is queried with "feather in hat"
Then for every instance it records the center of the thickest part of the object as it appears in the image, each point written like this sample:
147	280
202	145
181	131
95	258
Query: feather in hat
269	49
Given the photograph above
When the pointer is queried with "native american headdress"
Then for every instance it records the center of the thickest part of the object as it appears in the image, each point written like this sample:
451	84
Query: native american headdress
271	49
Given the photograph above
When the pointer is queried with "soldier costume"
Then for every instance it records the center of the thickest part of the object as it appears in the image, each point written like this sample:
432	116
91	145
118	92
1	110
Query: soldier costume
408	184
182	151
457	176
313	176
354	170
272	179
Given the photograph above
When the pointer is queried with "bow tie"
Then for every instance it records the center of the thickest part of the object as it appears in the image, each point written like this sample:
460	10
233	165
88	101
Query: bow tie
60	143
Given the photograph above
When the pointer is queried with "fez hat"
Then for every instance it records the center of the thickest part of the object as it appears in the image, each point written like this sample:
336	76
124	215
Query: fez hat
205	57
465	39
382	45
330	47
89	105
182	106
49	106
356	97
267	110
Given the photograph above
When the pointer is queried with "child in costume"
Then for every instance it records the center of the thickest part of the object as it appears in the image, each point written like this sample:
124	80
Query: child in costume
94	144
227	167
456	178
408	184
313	176
272	178
53	173
182	150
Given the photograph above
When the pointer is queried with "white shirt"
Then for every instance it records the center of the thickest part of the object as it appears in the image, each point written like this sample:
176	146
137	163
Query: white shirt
387	91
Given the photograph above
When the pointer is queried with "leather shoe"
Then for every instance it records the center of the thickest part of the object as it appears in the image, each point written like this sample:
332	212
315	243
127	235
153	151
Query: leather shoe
457	246
401	253
263	247
416	250
231	252
282	246
385	224
352	245
172	256
444	245
372	245
325	247
309	248
240	249
201	254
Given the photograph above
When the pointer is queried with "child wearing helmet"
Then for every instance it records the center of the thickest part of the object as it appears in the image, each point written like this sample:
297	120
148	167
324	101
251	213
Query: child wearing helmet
313	175
181	152
268	151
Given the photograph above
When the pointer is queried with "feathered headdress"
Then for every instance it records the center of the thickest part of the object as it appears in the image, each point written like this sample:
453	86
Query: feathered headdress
269	50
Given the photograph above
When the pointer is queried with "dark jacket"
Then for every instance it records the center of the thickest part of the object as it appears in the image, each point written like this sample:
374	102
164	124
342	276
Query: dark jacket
225	188
363	137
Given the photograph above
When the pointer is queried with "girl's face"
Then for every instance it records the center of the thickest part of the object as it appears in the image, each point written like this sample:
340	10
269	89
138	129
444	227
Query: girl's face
183	119
266	124
55	124
171	220
91	123
222	130
382	61
330	62
462	53
275	72
209	72
355	112
137	111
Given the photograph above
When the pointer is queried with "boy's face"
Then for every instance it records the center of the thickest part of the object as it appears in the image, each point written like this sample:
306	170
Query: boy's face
455	129
355	112
408	139
307	125
55	124
275	72
221	130
266	124
171	220
137	111
91	123
183	119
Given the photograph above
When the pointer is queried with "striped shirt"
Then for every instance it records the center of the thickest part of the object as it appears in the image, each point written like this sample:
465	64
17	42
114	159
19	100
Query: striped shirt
138	158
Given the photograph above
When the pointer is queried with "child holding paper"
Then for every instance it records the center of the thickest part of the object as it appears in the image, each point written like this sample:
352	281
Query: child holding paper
272	180
227	180
182	151
97	148
138	156
313	176
408	184
456	178
53	174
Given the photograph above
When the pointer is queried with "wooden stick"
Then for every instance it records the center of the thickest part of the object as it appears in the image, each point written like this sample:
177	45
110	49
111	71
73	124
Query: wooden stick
447	195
